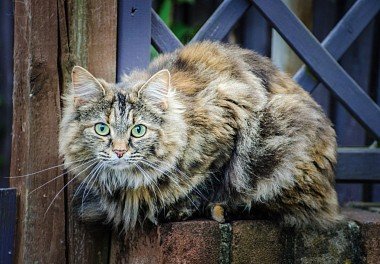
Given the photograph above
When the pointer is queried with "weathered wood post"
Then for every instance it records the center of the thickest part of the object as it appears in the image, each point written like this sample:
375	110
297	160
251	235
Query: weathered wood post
36	108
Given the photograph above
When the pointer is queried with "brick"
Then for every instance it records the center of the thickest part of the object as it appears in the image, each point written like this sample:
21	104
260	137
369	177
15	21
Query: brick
139	247
336	245
170	243
369	224
257	242
356	240
190	242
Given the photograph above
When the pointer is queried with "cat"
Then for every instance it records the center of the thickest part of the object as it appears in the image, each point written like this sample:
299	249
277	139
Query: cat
208	130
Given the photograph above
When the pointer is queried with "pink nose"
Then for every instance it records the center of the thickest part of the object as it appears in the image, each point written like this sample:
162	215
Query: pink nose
119	152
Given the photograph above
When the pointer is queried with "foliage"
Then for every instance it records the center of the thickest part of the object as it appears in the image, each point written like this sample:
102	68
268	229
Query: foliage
182	30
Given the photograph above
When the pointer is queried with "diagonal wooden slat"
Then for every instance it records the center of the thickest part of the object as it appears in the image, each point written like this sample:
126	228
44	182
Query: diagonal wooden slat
163	38
357	102
222	20
342	36
215	28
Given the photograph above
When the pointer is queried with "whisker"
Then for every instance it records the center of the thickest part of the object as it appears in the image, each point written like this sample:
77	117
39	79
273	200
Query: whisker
50	168
175	182
39	187
93	179
81	185
182	174
55	197
149	177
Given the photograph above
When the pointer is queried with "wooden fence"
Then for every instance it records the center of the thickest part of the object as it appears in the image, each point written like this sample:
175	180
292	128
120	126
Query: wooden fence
110	38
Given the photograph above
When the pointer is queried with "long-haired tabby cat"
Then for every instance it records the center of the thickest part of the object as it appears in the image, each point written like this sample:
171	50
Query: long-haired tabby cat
207	130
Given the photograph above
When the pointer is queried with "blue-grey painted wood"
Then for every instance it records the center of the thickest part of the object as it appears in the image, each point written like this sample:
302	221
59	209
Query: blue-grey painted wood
325	17
133	35
6	87
221	22
322	63
256	32
358	165
357	62
348	191
342	36
326	14
7	224
163	38
376	72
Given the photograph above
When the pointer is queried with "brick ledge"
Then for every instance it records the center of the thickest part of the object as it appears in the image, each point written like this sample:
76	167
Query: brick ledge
256	241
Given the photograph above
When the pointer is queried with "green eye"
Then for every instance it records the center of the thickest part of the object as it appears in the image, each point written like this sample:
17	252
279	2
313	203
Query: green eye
102	129
138	131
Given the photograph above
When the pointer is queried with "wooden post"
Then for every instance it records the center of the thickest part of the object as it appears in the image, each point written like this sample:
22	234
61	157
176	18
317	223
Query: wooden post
36	107
134	31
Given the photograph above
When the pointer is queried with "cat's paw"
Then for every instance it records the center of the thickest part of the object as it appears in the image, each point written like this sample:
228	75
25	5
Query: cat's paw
218	212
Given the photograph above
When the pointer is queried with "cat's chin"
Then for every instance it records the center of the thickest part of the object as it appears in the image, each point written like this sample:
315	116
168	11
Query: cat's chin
120	165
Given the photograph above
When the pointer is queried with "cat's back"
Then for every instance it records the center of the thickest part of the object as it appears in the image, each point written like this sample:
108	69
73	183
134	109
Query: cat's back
283	102
196	65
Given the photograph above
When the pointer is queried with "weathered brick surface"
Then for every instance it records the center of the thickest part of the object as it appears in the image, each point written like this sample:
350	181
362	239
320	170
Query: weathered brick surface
190	242
195	242
337	245
369	224
257	242
357	240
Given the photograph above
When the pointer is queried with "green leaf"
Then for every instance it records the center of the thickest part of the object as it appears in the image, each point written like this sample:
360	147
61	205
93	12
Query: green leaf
153	53
165	12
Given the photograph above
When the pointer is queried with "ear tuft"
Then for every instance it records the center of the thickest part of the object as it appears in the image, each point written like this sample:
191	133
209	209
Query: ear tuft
86	86
156	89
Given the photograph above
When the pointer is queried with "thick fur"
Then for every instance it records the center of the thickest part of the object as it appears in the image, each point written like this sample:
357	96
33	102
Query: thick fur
224	127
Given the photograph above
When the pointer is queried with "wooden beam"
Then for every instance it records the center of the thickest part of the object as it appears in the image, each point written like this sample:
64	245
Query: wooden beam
40	237
222	20
163	38
256	32
354	99
7	224
358	164
357	62
341	37
133	35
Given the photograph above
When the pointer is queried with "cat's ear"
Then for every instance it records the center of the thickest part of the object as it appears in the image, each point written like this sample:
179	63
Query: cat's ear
157	89
86	86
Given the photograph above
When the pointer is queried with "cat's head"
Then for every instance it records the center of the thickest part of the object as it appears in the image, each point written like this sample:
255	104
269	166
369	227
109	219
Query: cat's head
123	135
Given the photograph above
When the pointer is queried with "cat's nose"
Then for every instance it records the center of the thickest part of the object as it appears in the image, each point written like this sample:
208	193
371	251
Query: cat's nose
119	152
